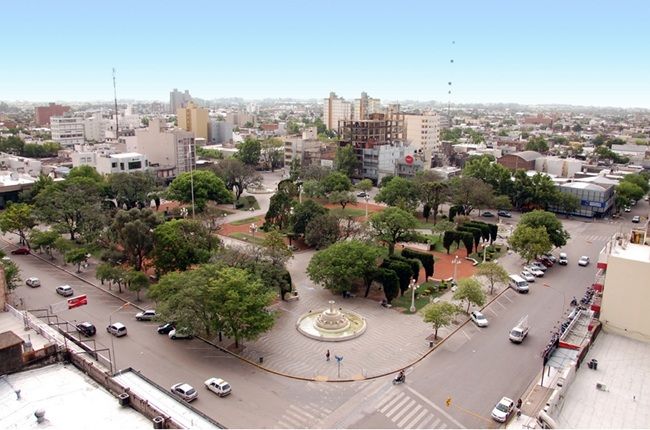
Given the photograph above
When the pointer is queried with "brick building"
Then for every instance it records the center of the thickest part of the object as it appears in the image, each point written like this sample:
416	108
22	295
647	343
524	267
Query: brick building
43	114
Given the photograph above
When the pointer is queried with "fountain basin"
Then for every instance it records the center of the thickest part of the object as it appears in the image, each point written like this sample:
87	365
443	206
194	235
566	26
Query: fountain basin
331	325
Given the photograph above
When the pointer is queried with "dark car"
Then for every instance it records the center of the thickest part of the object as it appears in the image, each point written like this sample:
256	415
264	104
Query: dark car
487	214
20	251
86	328
362	194
166	328
504	214
545	261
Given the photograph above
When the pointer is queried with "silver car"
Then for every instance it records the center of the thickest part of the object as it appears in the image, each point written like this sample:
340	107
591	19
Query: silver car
184	391
64	290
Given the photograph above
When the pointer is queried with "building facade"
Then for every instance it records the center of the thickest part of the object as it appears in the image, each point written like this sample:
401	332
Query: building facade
595	200
194	119
335	110
365	106
170	151
178	100
107	163
422	131
42	114
68	131
219	132
95	128
520	160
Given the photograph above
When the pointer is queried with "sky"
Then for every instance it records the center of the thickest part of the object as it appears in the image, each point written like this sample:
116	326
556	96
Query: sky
531	52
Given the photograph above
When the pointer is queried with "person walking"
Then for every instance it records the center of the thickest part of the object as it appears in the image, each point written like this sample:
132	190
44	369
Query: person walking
327	355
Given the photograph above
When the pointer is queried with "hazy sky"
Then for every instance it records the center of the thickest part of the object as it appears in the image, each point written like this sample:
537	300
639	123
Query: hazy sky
575	52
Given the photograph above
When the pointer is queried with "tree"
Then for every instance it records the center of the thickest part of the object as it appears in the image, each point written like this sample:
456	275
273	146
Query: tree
237	175
439	315
364	185
342	198
568	203
86	171
77	256
313	188
44	240
469	192
279	213
432	194
345	160
322	231
131	189
393	225
17	218
336	181
538	144
43	181
304	212
553	227
180	244
13	145
104	272
207	186
250	151
132	231
399	192
275	248
338	267
629	191
494	273
530	242
638	180
271	153
469	289
137	281
502	203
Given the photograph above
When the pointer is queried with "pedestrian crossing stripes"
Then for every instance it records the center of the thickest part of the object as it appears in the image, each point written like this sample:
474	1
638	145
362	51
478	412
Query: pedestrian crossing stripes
304	416
405	412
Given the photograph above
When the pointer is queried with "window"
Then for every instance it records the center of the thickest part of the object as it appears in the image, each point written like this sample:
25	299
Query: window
114	165
135	165
121	166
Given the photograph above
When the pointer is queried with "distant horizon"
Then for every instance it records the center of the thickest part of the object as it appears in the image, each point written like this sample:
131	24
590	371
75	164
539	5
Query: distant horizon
583	54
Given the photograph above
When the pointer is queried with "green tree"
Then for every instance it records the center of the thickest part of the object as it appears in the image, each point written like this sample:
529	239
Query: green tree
530	242
131	189
432	194
13	145
494	273
346	161
439	315
548	220
568	203
179	244
399	192
342	198
322	231
77	256
537	143
272	153
17	218
637	179
85	171
364	185
132	231
12	274
275	248
279	213
469	290
343	264
304	212
336	181
393	225
237	175
207	186
44	240
628	192
43	181
470	192
250	151
313	188
137	281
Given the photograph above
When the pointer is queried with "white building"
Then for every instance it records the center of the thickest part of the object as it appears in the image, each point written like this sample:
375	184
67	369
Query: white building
106	162
178	100
68	131
170	151
95	128
336	109
365	106
421	133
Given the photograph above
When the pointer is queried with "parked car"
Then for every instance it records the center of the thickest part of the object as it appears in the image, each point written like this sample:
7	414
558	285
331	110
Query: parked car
627	209
117	329
180	334
166	328
64	290
218	386
551	257
86	328
584	261
534	270
21	251
487	214
545	261
635	219
478	318
564	259
362	194
539	266
504	214
184	391
529	277
33	282
503	409
147	315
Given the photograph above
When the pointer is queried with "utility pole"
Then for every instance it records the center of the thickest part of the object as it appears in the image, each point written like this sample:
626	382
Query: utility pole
117	126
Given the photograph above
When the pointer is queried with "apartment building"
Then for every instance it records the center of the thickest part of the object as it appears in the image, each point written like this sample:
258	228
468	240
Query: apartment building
194	119
42	114
106	162
335	110
219	132
170	152
178	100
68	131
365	106
421	132
95	128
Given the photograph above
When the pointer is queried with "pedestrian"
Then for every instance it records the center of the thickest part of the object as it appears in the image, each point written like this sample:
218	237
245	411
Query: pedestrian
519	404
327	355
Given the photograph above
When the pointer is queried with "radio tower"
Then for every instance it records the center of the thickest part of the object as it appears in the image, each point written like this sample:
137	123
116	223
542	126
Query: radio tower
117	126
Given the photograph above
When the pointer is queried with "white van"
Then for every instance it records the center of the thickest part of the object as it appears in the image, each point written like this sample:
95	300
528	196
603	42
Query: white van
518	284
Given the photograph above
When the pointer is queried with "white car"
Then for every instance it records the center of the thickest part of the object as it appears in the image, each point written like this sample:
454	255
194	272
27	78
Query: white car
180	334
538	265
184	391
534	270
65	290
503	409
218	386
478	318
33	282
584	261
529	277
147	315
117	329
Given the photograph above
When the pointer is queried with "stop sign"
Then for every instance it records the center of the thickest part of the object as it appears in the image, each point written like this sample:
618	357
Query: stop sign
408	159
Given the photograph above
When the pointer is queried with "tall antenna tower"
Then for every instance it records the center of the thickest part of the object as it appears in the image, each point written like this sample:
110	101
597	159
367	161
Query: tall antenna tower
117	126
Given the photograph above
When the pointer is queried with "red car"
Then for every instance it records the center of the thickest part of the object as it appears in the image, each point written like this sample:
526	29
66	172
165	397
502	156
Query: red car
20	251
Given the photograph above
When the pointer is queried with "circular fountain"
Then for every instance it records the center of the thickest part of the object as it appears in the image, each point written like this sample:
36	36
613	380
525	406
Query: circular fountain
331	325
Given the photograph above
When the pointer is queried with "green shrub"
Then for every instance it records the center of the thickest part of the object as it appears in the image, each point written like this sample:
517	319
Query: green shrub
427	260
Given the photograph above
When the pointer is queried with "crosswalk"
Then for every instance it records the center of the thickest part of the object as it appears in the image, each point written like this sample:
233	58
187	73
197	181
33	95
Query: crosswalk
406	412
304	416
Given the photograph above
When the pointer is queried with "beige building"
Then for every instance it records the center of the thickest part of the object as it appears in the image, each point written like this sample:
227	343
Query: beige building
365	106
336	109
421	132
626	285
194	119
169	151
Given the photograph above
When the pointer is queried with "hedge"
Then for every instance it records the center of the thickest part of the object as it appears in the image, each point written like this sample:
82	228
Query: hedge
402	270
427	260
389	281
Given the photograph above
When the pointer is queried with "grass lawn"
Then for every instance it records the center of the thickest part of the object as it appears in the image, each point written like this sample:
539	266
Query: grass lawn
351	212
423	224
257	240
246	220
220	212
404	301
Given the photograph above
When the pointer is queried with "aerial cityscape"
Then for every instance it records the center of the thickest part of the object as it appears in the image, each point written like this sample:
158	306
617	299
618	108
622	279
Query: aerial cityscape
325	215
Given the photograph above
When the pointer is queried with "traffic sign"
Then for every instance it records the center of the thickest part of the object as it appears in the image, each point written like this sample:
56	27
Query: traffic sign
408	159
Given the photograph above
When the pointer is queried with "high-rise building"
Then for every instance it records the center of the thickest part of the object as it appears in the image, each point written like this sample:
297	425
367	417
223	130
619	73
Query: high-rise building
95	128
178	100
194	119
170	151
44	113
365	106
219	132
68	131
336	109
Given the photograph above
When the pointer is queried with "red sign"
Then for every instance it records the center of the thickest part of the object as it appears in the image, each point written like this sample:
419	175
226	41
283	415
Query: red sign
75	302
408	159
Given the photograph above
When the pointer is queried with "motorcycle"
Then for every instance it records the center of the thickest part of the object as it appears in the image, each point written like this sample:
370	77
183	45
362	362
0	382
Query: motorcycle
399	380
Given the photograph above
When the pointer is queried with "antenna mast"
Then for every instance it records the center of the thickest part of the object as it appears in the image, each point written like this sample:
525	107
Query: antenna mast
117	127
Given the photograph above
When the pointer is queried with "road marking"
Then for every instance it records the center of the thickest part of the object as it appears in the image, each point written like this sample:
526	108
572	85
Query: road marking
494	313
389	404
500	304
508	298
466	335
397	406
300	411
422	413
404	410
409	415
437	408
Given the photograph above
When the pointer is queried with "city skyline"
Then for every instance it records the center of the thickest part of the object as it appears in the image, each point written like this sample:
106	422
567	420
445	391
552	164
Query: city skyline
581	53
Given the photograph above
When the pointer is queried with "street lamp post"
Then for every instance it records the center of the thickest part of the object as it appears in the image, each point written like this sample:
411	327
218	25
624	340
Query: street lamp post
110	322
563	296
455	262
366	197
413	288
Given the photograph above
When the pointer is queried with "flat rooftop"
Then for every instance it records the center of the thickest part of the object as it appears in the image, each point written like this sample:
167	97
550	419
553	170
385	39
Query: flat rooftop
632	251
70	399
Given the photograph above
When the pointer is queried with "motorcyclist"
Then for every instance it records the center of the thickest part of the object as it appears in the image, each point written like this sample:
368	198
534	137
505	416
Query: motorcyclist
401	377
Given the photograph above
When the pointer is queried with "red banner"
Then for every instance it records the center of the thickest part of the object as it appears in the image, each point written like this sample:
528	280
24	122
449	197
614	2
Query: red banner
75	302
